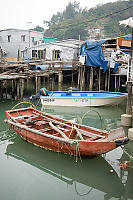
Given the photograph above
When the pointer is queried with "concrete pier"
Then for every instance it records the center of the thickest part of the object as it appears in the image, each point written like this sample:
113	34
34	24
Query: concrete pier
126	120
130	133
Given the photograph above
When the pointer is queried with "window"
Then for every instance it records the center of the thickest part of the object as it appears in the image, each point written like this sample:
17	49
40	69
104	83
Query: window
56	54
9	38
23	38
34	53
33	39
41	54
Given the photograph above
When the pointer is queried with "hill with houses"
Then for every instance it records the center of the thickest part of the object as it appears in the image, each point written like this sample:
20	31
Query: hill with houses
98	22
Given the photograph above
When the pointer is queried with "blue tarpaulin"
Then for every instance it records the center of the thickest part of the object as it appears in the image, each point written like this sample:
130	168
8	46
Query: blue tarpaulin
116	67
38	67
94	54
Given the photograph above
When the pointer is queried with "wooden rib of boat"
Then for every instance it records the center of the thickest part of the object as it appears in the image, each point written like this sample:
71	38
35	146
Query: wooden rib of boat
53	133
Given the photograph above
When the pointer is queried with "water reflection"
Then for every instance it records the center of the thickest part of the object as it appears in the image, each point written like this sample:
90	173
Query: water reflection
98	117
127	175
87	177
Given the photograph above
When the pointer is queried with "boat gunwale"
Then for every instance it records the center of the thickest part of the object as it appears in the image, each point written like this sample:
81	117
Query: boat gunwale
89	97
52	116
71	141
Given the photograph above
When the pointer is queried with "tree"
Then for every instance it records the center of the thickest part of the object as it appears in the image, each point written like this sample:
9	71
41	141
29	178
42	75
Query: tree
74	21
39	28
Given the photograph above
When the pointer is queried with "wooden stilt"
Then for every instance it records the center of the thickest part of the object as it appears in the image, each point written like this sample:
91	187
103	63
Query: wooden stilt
115	83
79	77
109	80
91	79
27	81
87	77
13	89
21	88
1	90
106	80
6	88
119	84
18	86
99	79
72	78
83	83
60	78
36	84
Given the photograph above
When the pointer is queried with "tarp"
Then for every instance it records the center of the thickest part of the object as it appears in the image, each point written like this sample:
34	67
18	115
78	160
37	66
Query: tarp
128	22
38	67
94	55
116	67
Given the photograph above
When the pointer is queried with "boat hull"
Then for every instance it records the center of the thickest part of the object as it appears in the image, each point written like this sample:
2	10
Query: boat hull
56	134
82	99
80	148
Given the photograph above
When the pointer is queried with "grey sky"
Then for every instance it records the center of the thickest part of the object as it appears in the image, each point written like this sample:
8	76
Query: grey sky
17	13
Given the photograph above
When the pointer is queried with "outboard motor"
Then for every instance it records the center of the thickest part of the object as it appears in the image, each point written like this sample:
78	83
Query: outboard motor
35	97
44	92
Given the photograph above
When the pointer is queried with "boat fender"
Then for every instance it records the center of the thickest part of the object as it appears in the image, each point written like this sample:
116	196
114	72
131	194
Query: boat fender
122	142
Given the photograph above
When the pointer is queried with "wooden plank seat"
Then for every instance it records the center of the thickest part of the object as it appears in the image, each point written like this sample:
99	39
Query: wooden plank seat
94	138
22	117
45	129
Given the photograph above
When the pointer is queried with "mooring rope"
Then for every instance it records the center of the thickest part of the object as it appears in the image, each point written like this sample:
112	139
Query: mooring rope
24	103
93	111
79	193
130	156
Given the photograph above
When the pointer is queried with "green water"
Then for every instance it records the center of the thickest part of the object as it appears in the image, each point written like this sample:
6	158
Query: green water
28	172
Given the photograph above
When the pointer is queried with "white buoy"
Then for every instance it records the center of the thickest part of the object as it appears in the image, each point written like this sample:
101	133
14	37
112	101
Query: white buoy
130	133
111	170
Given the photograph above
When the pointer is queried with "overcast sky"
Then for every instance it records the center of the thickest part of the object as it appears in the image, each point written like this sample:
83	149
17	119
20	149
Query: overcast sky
18	13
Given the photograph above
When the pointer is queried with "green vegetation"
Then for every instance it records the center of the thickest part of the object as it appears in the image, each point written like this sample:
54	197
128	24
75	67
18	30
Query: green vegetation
38	28
74	21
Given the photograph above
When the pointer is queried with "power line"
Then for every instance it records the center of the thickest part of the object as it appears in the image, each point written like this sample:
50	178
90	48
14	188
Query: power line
108	15
95	19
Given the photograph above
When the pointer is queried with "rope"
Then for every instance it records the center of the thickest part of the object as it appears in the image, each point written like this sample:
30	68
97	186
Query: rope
71	130
71	74
23	103
77	152
84	193
130	156
93	111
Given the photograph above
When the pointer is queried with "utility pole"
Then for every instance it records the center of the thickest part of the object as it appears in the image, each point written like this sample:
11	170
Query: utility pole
130	80
29	30
126	119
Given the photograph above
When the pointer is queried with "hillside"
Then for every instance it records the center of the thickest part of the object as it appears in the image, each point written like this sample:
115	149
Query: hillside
74	21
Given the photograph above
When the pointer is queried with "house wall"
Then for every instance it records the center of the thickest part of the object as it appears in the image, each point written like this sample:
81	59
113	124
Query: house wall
11	48
68	52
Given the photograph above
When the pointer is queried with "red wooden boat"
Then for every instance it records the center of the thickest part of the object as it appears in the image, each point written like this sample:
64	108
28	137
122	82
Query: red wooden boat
53	133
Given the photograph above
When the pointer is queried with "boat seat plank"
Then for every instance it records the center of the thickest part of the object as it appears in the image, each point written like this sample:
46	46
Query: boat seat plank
61	128
94	138
45	129
87	133
23	117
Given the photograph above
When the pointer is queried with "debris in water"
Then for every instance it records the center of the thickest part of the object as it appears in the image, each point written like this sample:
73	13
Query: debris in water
111	171
125	165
